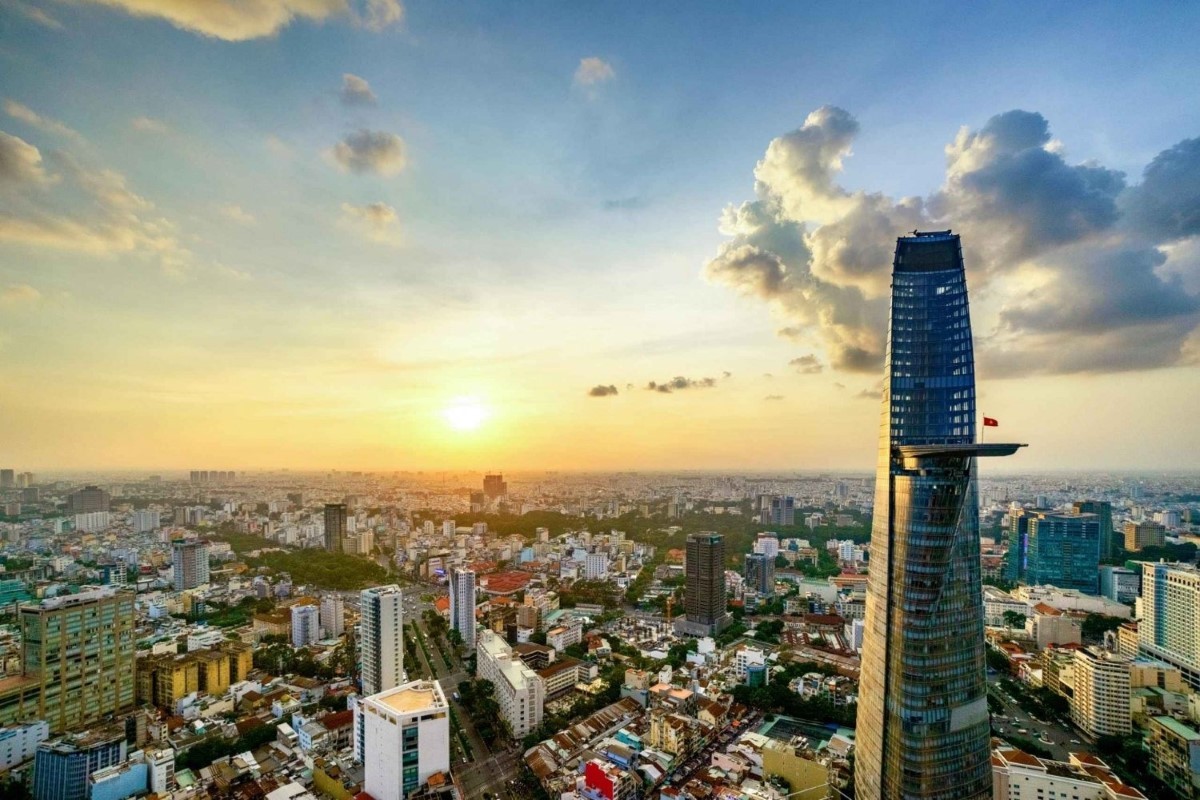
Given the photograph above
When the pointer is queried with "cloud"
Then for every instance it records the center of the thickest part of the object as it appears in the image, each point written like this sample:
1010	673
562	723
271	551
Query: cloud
602	391
149	125
376	221
19	294
356	91
872	393
807	365
241	20
726	374
30	117
20	162
238	214
678	383
592	71
35	14
773	397
1072	257
366	151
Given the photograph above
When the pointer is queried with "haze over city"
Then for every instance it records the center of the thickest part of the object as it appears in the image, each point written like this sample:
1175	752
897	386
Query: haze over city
377	236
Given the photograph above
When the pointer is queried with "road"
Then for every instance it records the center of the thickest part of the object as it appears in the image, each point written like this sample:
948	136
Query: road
700	761
1059	740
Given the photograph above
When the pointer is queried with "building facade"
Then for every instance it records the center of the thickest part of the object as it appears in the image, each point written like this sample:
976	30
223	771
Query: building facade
333	616
759	573
1168	610
381	638
1103	511
306	625
520	692
704	593
1064	551
335	526
462	605
1100	704
61	768
1140	535
923	728
403	738
189	560
1175	756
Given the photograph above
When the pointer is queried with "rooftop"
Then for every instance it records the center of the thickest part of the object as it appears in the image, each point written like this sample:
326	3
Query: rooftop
411	697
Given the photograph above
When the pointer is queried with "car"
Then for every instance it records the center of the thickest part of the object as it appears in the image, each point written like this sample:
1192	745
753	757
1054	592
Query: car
1022	731
1076	741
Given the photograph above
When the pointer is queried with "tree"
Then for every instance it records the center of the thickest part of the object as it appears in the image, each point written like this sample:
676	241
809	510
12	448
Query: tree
1096	625
1014	619
454	637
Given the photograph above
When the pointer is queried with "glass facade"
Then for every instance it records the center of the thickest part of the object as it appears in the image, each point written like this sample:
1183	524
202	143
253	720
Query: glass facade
1064	551
923	728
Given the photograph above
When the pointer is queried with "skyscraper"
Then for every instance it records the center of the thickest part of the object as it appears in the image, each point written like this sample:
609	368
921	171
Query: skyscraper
704	597
189	560
760	574
381	638
1168	610
923	729
1064	551
87	499
1140	535
494	486
1103	510
462	604
402	736
335	526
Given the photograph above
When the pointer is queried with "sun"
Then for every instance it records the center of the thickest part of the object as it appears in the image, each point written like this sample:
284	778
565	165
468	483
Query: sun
465	413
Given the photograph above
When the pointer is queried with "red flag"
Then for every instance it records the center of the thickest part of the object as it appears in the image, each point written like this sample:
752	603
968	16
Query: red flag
988	422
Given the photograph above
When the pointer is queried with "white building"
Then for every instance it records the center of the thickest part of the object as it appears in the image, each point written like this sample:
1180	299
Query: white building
93	521
1100	704
381	638
595	566
1169	609
996	602
189	561
1017	775
448	527
745	658
1071	600
145	520
333	616
402	737
162	770
205	639
563	636
306	625
520	692
767	544
18	743
462	604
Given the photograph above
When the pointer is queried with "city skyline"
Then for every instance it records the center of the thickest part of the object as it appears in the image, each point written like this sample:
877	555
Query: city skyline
381	236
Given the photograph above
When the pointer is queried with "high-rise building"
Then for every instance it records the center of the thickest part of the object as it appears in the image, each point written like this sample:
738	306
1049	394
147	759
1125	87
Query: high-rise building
335	526
760	574
1140	535
61	768
1120	584
519	691
494	486
462	605
381	638
145	520
1103	510
775	509
7	478
768	544
1064	551
189	559
402	736
1175	755
306	625
595	566
81	648
1168	610
333	616
923	728
704	590
1100	704
87	499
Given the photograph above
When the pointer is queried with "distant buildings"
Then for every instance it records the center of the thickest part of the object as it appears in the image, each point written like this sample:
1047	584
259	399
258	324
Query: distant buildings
306	625
402	737
381	638
333	616
189	560
494	486
595	566
774	509
704	592
520	692
1103	511
1120	584
462	605
1064	551
335	526
1169	609
1139	535
88	499
759	573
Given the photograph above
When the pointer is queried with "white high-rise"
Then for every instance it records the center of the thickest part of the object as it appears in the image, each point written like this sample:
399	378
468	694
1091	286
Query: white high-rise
381	638
333	616
595	566
1100	704
462	604
402	736
306	628
1168	610
520	692
144	520
189	560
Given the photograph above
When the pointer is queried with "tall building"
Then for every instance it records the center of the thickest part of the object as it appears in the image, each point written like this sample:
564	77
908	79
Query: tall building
87	499
1103	510
1064	551
306	625
760	574
775	509
595	566
1175	756
145	520
1120	584
402	736
704	590
1100	704
61	768
520	692
923	729
1139	535
335	526
1168	610
7	478
462	605
494	486
333	616
189	559
381	638
81	649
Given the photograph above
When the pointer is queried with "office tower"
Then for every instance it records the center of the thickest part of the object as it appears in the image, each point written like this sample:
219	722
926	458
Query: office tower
80	648
189	558
704	593
1016	559
7	478
1120	584
1103	510
306	625
87	499
462	605
402	736
1100	704
520	692
449	527
333	616
61	768
923	729
1139	535
1168	611
381	638
1064	551
783	510
335	526
494	486
760	574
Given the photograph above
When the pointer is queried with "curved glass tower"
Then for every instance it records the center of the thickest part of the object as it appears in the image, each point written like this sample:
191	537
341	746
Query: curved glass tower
923	728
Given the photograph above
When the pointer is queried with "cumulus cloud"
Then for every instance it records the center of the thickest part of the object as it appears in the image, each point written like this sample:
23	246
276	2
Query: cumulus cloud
356	91
20	162
236	213
602	391
149	125
366	151
30	117
807	365
19	294
1075	256
241	20
376	221
592	71
678	383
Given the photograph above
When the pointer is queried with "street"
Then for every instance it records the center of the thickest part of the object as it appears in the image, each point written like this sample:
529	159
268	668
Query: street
1057	739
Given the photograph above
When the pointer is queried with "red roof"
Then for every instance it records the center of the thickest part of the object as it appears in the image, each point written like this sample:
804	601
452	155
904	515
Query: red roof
338	719
442	604
503	582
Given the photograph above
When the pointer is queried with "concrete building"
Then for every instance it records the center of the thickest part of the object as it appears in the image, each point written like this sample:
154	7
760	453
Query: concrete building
1119	584
189	561
1100	705
595	566
306	625
462	604
335	526
88	499
381	638
1103	511
61	768
145	520
704	594
402	738
1139	535
759	572
1017	775
18	743
1168	611
520	692
1064	551
1175	756
333	616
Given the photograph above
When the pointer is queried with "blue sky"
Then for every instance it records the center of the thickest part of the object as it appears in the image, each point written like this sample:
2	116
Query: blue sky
536	234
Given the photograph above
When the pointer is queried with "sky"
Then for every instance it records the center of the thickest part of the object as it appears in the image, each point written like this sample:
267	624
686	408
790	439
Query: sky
367	234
